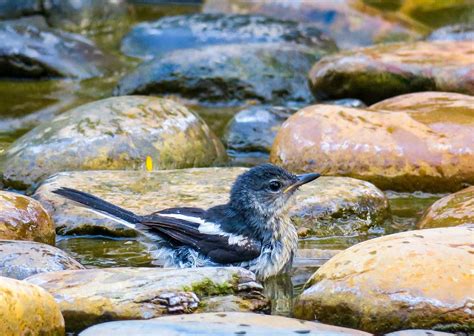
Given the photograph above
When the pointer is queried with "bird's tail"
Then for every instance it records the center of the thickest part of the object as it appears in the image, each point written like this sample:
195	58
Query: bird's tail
98	204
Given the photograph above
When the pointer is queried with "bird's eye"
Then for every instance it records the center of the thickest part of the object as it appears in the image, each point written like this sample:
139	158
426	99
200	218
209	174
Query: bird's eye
275	186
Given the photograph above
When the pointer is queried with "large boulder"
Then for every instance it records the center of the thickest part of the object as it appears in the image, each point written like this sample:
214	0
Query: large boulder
220	324
27	309
23	218
375	73
113	133
415	142
452	210
88	297
152	39
329	206
21	259
28	51
346	21
266	72
416	279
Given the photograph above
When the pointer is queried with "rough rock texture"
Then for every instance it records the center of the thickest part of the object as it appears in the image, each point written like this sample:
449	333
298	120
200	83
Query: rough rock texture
151	39
452	210
329	206
23	218
264	72
113	133
219	324
27	51
415	279
375	73
27	309
414	142
86	15
459	32
347	22
88	297
21	259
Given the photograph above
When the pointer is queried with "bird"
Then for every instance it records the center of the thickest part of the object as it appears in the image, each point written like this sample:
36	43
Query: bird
252	230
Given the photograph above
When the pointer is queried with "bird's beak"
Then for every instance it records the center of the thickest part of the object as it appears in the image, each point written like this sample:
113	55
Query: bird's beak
302	179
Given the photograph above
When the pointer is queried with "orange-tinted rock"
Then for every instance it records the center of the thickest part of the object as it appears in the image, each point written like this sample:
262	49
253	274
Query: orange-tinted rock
379	72
420	141
23	218
415	279
452	210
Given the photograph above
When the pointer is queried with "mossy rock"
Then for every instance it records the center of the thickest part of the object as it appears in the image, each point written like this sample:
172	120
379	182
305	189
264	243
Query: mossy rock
114	133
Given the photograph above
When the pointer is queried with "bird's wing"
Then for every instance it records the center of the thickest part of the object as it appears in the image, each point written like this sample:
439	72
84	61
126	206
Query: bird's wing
186	226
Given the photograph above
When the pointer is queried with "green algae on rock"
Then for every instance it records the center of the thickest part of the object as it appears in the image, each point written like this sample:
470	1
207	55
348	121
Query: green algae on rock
88	297
413	142
151	39
376	73
266	72
23	218
27	309
414	279
21	259
220	324
330	206
113	133
453	210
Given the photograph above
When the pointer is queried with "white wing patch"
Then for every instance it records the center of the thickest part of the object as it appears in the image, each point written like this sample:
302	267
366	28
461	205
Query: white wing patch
210	228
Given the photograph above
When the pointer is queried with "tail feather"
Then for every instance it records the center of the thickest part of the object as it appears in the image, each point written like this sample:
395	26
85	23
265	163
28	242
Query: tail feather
98	204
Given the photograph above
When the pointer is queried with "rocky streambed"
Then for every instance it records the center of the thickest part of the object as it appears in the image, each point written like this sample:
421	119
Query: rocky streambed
158	105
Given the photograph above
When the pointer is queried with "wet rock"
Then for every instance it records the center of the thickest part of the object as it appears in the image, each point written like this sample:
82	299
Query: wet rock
151	39
23	218
27	51
265	72
348	23
86	15
419	332
375	73
10	9
219	324
438	13
459	32
452	210
27	309
251	132
114	133
330	206
415	279
88	297
21	259
414	142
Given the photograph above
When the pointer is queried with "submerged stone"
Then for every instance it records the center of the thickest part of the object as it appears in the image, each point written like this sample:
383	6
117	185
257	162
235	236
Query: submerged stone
88	297
266	72
23	218
379	72
415	279
152	39
329	206
113	133
27	309
218	324
28	51
452	210
21	259
420	141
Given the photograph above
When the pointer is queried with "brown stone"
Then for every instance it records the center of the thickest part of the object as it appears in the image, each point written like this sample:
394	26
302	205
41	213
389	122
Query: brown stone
23	218
420	141
376	73
27	309
452	210
415	279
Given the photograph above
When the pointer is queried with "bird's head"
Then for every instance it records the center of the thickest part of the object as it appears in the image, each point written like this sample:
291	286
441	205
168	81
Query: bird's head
264	190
